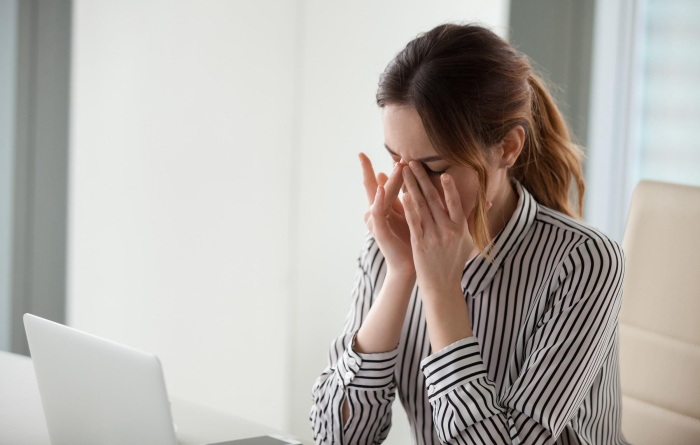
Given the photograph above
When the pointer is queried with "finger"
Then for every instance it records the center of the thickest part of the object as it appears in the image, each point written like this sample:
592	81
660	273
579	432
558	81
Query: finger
412	218
452	199
382	178
370	226
416	197
378	214
432	196
397	206
393	185
369	179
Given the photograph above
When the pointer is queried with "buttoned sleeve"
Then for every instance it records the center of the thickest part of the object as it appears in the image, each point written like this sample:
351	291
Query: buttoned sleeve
561	359
364	380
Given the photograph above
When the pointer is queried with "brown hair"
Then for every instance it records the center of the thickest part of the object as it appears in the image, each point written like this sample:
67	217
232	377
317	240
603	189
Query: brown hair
470	88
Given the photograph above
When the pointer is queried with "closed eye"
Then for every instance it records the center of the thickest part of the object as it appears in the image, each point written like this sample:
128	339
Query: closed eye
395	159
432	172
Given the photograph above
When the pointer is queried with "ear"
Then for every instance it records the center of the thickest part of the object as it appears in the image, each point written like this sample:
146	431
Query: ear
511	146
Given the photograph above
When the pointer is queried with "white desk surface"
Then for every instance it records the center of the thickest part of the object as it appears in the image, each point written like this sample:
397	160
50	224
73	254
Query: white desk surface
22	416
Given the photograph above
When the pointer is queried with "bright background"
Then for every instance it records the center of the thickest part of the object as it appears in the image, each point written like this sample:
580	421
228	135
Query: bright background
182	176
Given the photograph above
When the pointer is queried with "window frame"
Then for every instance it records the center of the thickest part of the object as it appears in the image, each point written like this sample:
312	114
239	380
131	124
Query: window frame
614	150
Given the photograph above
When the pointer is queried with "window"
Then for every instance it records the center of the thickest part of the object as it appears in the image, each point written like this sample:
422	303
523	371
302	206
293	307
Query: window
669	92
645	103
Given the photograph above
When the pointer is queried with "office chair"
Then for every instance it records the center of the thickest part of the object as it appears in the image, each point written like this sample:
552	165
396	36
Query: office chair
660	318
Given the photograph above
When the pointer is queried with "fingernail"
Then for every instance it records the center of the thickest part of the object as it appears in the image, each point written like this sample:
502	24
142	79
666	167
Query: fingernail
445	178
413	165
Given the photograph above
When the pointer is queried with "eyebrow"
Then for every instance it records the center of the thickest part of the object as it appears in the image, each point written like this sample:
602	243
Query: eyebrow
426	159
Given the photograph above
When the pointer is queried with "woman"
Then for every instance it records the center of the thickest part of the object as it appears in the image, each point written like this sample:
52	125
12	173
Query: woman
479	298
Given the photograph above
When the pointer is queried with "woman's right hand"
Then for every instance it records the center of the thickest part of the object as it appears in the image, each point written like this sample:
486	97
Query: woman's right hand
385	217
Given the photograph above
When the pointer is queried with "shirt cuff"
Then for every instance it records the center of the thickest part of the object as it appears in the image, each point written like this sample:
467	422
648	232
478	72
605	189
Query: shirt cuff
452	367
366	371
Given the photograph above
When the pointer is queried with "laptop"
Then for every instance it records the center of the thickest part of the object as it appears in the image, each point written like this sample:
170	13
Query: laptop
96	391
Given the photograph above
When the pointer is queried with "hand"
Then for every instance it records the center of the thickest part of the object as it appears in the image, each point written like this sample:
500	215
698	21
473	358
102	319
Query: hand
385	217
440	237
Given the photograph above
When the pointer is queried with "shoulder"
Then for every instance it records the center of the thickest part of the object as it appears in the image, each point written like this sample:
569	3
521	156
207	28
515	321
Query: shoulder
592	262
575	227
571	247
581	235
552	235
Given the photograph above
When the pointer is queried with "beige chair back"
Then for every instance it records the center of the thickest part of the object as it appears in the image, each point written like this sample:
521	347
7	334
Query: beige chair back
660	320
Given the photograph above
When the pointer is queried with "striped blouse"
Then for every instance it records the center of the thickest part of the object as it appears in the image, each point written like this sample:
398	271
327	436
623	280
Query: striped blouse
541	367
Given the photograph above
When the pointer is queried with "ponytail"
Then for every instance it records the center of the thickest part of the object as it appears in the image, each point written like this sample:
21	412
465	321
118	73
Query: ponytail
550	160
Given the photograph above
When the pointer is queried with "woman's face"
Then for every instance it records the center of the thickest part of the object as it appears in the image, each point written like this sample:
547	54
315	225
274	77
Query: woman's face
405	138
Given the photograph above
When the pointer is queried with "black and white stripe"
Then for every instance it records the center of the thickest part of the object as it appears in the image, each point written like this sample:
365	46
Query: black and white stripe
541	368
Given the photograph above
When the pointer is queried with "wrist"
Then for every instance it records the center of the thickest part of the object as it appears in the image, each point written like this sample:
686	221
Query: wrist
441	291
406	273
447	317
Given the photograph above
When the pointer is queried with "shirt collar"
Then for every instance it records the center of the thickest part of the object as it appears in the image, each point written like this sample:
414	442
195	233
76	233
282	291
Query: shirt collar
479	272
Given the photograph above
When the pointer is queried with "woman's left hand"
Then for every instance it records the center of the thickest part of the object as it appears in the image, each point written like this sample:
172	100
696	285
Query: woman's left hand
440	235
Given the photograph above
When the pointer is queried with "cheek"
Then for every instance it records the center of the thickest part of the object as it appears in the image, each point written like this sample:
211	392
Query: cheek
468	188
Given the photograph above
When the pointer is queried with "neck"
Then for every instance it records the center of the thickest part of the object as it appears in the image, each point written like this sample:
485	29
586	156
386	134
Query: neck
504	206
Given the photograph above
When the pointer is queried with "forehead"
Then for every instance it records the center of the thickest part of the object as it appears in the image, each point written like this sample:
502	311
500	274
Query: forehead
404	133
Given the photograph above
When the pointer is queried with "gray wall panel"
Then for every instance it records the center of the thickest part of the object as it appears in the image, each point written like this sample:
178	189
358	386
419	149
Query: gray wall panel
35	150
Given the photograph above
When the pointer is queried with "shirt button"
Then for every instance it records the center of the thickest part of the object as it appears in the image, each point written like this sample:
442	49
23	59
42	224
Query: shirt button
431	389
348	377
352	361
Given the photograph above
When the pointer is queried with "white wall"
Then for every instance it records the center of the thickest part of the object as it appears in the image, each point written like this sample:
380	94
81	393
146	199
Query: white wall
216	202
179	212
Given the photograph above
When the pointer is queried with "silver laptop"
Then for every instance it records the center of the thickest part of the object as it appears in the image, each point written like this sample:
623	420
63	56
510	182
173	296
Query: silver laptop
99	392
95	391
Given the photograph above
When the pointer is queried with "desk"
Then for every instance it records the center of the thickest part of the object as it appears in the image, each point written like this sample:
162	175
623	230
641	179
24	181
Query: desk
22	416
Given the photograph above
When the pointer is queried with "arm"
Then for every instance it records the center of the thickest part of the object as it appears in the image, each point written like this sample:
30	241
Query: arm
563	358
353	396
